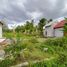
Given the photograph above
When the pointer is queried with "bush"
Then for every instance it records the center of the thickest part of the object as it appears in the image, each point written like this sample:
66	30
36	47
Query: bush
6	63
32	49
56	42
33	40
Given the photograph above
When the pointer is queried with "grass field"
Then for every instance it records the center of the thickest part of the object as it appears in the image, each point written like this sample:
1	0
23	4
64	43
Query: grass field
30	48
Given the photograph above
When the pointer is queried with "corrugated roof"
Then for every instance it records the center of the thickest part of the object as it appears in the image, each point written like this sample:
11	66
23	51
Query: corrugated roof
60	24
50	24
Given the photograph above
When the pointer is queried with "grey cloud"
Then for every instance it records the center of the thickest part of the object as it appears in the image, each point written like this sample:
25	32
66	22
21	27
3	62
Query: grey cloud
17	10
12	11
49	10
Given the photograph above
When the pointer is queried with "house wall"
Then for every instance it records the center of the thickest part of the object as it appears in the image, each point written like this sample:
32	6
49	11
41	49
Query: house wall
0	30
59	32
48	32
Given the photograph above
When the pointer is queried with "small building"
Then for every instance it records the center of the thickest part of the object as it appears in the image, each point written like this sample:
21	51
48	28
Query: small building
54	29
58	29
48	30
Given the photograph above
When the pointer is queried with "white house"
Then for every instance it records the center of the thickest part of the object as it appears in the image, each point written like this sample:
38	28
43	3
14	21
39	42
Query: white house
48	30
54	29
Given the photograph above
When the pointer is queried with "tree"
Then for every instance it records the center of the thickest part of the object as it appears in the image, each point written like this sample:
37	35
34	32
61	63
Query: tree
29	27
20	29
65	27
50	20
41	23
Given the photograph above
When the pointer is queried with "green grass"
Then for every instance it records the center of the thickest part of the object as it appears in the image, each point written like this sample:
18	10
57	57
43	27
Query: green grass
31	48
17	35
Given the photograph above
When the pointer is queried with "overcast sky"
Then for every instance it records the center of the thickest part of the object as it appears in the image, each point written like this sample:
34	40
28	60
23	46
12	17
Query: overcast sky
22	10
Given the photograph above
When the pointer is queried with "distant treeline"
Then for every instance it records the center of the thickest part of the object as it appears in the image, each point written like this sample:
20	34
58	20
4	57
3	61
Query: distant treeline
30	28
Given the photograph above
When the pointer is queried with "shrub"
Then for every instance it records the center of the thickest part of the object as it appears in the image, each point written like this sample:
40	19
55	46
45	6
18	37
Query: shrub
33	40
56	42
6	63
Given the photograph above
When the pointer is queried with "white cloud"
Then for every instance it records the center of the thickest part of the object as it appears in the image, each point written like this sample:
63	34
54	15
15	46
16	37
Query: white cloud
35	15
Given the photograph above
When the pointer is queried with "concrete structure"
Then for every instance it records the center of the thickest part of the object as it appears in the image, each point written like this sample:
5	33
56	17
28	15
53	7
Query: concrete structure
48	30
59	32
1	25
54	29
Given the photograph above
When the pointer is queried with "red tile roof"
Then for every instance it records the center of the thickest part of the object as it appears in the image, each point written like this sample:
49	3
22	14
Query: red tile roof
60	24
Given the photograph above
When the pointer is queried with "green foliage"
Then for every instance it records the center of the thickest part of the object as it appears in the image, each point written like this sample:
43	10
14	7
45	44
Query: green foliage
50	63
56	62
56	42
15	48
8	34
20	29
28	47
57	46
6	63
28	28
41	23
32	49
33	40
65	27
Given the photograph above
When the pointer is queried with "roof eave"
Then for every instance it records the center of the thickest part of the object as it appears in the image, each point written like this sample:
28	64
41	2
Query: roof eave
58	27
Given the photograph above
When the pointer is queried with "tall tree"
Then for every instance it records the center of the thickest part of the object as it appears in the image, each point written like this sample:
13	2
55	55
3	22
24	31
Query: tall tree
29	27
20	29
41	23
50	20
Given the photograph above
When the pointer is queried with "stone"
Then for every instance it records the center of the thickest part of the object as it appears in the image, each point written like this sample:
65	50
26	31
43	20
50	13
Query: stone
2	54
45	49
